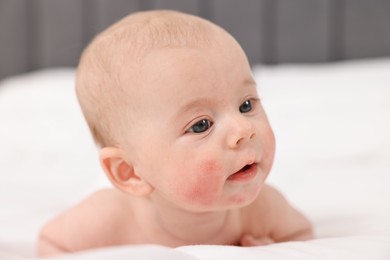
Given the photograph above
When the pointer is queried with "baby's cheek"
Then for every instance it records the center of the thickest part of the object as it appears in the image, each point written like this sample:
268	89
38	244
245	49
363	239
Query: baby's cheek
205	183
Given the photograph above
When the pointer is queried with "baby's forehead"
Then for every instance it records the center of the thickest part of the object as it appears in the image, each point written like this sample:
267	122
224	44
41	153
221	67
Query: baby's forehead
139	35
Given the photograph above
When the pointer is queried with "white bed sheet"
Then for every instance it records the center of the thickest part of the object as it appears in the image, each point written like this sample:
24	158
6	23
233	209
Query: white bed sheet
332	124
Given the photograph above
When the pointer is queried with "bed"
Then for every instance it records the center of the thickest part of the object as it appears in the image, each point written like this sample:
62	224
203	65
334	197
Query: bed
323	74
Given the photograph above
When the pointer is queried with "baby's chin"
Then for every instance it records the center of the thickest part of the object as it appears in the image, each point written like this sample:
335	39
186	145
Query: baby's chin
245	194
238	201
244	201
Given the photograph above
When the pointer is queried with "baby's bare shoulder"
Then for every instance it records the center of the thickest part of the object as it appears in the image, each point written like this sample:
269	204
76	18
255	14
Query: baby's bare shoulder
94	222
269	198
264	206
102	205
271	215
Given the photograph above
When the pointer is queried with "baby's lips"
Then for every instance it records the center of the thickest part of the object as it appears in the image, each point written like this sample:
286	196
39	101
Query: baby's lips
245	172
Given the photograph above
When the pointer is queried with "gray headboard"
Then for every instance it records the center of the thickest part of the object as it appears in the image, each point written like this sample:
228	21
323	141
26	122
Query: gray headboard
36	34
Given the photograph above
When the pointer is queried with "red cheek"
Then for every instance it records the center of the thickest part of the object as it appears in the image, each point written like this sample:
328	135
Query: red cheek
205	183
208	167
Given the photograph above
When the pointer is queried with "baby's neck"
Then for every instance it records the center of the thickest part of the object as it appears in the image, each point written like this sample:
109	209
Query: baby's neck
182	227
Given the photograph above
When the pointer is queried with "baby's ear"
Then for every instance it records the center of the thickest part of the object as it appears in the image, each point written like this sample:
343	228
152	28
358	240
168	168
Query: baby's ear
121	172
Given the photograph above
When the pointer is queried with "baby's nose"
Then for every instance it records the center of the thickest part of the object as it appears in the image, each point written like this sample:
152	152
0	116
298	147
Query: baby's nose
241	131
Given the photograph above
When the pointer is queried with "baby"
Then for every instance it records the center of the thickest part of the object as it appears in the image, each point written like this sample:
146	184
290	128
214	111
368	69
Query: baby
171	101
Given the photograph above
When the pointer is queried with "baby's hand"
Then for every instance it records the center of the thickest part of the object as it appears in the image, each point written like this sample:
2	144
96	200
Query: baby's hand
249	240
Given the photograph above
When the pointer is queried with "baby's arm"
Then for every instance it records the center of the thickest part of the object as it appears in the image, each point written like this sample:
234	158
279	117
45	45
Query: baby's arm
90	224
280	221
288	223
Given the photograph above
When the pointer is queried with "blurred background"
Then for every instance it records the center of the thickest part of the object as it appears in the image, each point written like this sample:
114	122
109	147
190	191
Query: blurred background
37	34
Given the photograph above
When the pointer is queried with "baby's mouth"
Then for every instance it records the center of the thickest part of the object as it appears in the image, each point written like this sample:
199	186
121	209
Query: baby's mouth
245	172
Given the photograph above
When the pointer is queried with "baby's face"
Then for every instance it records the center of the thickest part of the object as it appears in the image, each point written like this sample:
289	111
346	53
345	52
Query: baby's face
203	140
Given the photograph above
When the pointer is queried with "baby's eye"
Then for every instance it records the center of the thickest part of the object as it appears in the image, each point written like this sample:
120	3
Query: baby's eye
246	106
200	126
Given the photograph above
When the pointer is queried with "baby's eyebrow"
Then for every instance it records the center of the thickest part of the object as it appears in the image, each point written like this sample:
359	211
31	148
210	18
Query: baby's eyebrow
204	102
195	103
249	81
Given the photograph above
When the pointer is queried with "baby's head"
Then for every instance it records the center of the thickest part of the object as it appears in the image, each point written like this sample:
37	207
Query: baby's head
171	100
